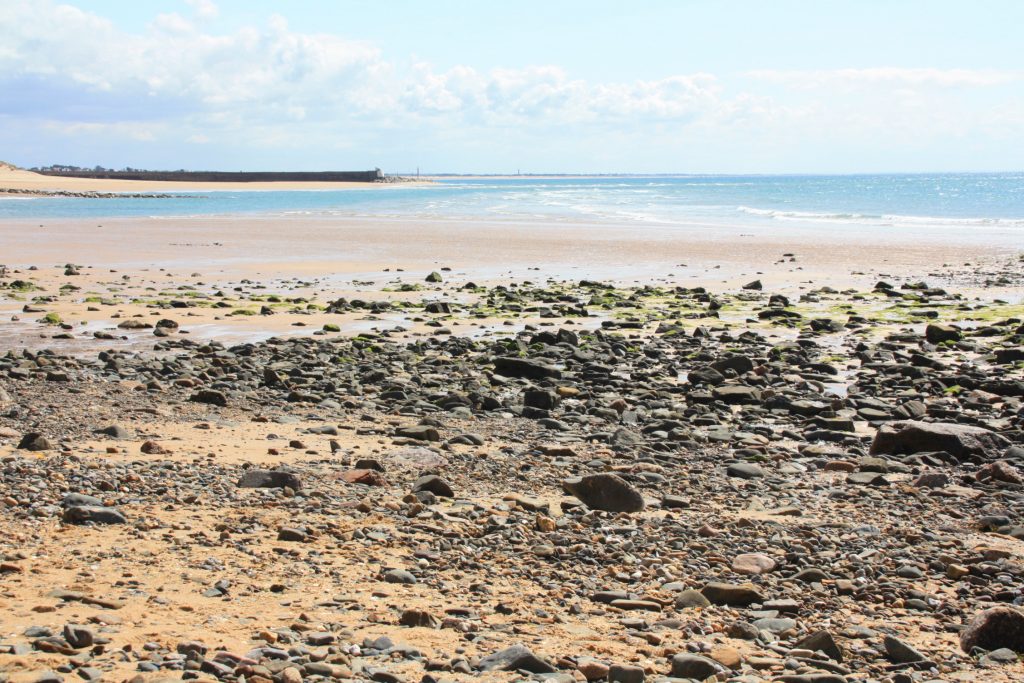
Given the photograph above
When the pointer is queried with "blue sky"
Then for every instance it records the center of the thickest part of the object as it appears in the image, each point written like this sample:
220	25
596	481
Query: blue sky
555	86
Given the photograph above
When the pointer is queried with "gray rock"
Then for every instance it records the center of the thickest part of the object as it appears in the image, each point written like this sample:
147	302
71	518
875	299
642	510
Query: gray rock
523	367
399	576
900	652
516	658
79	636
624	673
963	442
269	479
744	470
695	667
80	499
434	484
690	599
85	514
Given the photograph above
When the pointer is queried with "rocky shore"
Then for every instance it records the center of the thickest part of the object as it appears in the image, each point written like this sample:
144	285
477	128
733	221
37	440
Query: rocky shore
600	483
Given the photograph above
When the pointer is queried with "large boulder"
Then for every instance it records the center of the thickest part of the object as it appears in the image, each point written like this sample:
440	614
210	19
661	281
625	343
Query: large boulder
964	442
993	629
605	492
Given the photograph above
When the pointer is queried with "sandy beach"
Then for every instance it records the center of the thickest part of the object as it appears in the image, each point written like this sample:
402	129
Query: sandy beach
19	179
428	389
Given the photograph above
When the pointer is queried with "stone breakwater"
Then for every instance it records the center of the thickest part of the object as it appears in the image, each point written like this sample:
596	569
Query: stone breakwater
90	194
664	498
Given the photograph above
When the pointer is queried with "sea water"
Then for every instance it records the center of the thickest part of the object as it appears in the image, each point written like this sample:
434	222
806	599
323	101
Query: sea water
968	202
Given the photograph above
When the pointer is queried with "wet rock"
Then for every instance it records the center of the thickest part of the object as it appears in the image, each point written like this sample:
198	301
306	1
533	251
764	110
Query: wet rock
524	367
937	334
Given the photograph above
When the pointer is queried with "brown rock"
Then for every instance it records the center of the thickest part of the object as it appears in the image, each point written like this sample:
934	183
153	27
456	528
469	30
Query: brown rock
994	628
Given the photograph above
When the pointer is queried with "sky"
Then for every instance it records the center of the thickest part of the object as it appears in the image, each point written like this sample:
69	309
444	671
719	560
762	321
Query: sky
571	86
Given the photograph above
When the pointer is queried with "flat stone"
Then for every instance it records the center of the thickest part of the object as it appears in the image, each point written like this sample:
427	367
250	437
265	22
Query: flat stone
734	595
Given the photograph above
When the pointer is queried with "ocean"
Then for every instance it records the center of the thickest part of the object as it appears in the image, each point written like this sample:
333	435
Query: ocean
973	201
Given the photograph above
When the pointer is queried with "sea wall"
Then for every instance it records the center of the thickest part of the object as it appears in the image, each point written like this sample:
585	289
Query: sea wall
228	176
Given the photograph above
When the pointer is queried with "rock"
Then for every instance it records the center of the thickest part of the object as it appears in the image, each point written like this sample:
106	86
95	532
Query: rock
34	441
115	432
269	479
78	636
85	514
592	669
80	499
624	673
419	433
999	471
516	658
900	652
691	598
752	563
745	470
607	492
937	334
292	535
366	477
153	448
417	617
209	397
963	442
931	480
695	667
737	394
821	641
399	576
994	628
434	277
755	285
525	368
435	484
734	595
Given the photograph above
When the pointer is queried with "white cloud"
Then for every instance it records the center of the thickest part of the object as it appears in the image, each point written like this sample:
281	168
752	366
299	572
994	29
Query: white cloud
274	87
889	76
204	9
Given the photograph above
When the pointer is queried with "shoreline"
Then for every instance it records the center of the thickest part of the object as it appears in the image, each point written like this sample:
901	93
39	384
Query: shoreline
17	179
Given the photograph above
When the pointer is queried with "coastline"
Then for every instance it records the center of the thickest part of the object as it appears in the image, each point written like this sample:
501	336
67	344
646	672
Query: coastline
17	179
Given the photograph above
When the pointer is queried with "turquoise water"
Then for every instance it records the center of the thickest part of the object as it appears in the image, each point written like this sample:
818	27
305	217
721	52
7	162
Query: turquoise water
965	200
